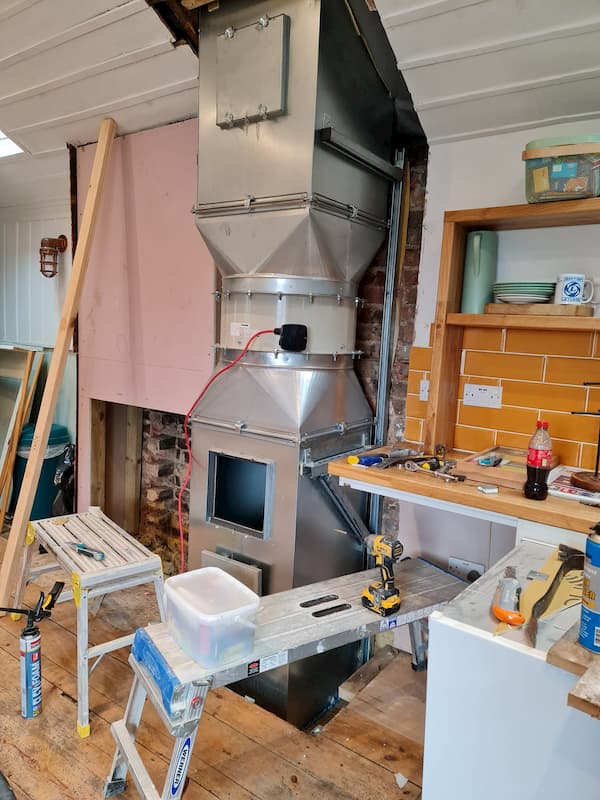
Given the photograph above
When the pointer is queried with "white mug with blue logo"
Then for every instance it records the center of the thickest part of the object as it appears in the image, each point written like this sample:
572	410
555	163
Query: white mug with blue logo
571	289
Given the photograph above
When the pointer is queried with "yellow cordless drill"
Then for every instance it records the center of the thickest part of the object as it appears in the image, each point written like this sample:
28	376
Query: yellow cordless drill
382	596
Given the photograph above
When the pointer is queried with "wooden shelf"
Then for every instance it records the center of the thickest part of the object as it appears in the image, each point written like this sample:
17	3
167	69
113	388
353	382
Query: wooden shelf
560	213
450	325
547	323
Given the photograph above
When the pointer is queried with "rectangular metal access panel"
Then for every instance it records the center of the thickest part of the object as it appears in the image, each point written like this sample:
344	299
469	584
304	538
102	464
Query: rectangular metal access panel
252	71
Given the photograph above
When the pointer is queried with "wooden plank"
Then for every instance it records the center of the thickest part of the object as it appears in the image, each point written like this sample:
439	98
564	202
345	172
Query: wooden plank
8	571
133	468
447	343
540	309
363	676
340	771
98	453
9	461
553	511
528	215
546	323
585	695
13	416
377	742
569	655
192	4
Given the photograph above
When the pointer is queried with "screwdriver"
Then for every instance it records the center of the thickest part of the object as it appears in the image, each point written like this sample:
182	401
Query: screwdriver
86	550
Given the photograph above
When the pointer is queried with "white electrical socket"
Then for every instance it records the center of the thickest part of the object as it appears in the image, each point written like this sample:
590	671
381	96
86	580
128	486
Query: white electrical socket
424	389
465	569
477	394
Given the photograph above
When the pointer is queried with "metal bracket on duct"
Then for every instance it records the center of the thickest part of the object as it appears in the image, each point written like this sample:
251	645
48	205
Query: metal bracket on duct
330	488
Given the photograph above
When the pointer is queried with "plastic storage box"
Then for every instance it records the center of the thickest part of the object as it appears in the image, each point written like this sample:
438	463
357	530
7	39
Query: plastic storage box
565	168
211	615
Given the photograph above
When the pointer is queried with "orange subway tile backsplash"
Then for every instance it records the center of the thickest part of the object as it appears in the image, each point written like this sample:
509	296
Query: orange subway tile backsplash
482	339
541	374
420	358
593	401
504	365
473	440
415	407
572	371
414	381
530	394
519	420
560	343
566	452
571	427
413	430
588	457
519	441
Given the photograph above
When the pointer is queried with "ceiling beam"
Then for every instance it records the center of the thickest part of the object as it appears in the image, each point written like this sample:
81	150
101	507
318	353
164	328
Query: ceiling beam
191	4
181	22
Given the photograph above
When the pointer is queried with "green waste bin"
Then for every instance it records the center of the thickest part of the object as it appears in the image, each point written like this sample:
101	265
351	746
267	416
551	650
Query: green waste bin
46	490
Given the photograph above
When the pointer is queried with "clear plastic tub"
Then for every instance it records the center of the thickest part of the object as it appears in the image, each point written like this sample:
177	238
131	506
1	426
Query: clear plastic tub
211	615
566	168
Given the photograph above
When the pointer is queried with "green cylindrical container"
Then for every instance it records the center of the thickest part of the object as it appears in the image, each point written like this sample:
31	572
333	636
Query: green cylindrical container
46	490
479	276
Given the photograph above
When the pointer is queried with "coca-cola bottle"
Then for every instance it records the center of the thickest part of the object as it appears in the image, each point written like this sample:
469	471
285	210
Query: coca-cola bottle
539	461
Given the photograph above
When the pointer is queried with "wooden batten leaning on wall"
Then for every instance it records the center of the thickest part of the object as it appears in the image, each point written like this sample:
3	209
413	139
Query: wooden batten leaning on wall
8	571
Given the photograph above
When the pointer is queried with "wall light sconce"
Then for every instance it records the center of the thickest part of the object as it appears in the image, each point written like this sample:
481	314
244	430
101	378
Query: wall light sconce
49	250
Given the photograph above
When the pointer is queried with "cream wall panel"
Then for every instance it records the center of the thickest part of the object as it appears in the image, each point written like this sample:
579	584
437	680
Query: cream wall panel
31	304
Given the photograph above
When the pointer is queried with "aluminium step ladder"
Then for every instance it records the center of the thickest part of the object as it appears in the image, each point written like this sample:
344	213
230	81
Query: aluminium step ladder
126	563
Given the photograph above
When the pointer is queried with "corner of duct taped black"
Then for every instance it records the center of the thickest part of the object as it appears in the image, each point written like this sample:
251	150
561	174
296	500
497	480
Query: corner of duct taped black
292	337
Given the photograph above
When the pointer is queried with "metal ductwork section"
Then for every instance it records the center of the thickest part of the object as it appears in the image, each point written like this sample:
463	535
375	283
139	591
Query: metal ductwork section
294	172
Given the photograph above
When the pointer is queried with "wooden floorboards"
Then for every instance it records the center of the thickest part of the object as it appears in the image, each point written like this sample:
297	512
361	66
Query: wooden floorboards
367	750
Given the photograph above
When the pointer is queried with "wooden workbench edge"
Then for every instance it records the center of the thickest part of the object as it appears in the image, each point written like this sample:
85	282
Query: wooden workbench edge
553	511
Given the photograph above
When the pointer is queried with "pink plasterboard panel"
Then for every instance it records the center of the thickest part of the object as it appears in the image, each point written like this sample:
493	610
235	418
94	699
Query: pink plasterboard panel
147	312
148	297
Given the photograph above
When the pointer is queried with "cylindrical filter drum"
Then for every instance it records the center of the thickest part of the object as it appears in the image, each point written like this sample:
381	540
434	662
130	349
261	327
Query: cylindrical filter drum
589	629
253	303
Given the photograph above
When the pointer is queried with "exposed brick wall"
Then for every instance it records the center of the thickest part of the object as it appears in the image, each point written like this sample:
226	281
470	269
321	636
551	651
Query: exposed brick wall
368	337
164	464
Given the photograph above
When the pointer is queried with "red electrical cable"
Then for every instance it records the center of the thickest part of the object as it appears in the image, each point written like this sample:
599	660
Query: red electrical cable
188	445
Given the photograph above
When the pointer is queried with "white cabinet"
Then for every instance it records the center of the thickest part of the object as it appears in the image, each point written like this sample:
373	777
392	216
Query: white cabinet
497	724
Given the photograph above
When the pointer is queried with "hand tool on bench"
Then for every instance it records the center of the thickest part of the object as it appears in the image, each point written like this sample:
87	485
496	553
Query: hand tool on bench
571	559
412	466
505	605
382	596
86	550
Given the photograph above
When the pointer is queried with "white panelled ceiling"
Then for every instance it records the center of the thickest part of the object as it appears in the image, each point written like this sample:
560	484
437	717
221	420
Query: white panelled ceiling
67	64
473	67
477	67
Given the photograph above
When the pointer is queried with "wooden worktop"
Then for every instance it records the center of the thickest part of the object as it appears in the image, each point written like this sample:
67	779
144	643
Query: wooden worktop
569	655
552	511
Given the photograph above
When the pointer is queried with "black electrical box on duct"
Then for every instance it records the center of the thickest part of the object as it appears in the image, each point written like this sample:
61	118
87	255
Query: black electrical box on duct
293	337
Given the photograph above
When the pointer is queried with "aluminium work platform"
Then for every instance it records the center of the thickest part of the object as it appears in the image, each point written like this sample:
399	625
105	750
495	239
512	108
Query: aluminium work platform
286	632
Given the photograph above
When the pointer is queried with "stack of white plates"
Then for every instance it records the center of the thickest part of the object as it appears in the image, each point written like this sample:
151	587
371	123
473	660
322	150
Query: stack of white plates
532	292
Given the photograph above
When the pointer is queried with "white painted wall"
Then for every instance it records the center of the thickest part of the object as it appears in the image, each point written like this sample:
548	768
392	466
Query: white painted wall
30	304
488	171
